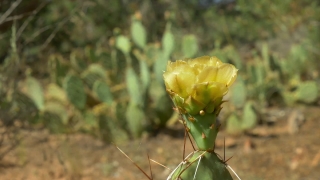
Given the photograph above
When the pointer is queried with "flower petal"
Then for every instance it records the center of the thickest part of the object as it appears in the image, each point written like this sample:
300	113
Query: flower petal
226	74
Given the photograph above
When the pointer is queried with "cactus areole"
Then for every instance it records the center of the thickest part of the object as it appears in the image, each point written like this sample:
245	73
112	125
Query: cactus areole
196	87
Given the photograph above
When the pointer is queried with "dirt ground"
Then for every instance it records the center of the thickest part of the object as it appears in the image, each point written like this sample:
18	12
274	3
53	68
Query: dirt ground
280	150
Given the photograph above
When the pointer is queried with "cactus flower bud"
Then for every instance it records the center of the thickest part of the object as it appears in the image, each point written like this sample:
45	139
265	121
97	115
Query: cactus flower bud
199	84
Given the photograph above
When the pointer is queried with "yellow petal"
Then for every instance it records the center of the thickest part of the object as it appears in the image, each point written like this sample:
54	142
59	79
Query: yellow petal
207	92
200	60
214	61
208	74
181	79
172	65
226	74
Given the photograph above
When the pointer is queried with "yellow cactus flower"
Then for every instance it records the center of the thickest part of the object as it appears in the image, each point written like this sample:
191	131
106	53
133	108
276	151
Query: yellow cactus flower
199	84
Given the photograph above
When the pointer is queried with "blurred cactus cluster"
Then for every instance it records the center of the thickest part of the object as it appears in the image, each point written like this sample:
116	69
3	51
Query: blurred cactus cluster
97	66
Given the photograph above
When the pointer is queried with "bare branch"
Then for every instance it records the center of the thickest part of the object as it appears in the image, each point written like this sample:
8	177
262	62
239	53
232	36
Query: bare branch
9	11
26	22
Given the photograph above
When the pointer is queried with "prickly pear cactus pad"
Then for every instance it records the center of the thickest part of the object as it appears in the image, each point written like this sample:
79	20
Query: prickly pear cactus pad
197	87
201	165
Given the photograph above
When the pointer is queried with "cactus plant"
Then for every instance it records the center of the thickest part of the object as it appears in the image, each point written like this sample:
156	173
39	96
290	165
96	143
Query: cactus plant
197	87
123	44
136	119
110	131
93	73
307	92
189	45
201	165
58	110
249	117
138	33
33	89
74	88
134	90
233	124
168	41
102	92
238	93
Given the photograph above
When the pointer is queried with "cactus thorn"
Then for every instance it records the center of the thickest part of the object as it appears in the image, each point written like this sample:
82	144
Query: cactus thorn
203	136
212	126
191	118
150	178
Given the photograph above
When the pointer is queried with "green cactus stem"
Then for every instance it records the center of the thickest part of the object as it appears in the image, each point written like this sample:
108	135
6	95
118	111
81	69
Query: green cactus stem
201	165
203	129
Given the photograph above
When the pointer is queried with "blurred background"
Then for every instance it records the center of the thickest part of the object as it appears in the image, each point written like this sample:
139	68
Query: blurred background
78	77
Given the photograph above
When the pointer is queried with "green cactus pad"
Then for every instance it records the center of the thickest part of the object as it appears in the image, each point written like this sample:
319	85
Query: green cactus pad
138	34
144	75
238	93
56	93
189	46
102	92
123	44
159	66
249	117
58	110
74	88
233	124
136	120
168	43
133	86
110	130
307	92
93	73
33	89
54	122
201	165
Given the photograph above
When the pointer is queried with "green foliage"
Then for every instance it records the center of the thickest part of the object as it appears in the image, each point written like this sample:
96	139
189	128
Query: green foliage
102	92
34	91
307	92
238	93
123	44
189	46
93	73
138	34
110	131
136	119
168	42
57	110
145	76
91	61
233	124
134	90
245	120
74	88
249	118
